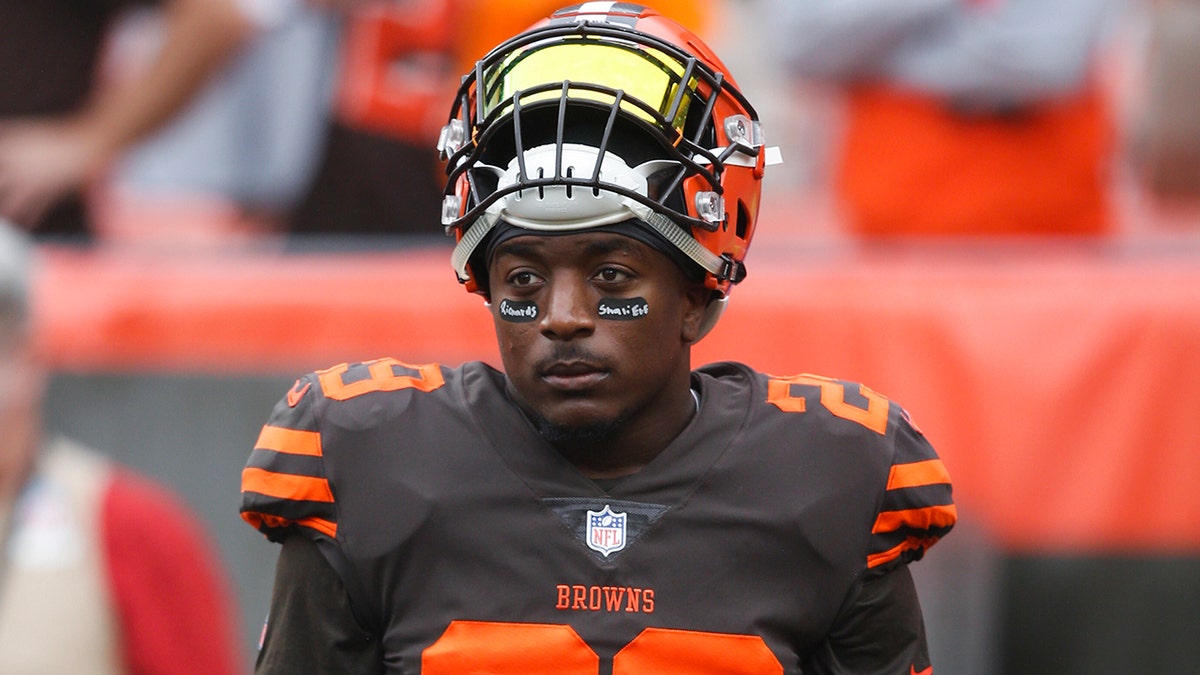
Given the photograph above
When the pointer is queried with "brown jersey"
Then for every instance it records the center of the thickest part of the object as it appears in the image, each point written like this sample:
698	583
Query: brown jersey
466	543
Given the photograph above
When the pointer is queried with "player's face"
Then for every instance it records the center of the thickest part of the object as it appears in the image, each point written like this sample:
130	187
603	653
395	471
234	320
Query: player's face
594	331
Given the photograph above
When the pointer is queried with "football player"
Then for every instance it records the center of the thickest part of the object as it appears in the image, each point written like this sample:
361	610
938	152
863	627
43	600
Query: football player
598	506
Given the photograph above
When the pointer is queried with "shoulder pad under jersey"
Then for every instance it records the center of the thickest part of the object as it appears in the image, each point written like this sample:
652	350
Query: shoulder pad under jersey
284	483
916	507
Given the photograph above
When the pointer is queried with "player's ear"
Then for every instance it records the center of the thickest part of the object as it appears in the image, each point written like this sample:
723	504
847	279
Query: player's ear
695	304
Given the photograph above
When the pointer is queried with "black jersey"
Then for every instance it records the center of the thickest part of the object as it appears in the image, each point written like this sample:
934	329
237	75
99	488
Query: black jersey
466	543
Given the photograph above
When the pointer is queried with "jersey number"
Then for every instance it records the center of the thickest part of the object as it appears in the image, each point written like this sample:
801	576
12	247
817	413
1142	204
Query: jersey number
833	398
549	649
386	374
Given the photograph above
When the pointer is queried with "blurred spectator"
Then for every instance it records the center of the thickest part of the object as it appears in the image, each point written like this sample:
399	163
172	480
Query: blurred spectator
377	171
294	138
238	158
1167	133
400	61
961	116
59	128
101	570
328	122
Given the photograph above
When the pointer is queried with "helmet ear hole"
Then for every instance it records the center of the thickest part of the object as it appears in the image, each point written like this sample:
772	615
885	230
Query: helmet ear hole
697	127
743	220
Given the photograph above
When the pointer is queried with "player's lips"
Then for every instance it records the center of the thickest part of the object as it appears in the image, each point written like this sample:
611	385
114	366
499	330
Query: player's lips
573	375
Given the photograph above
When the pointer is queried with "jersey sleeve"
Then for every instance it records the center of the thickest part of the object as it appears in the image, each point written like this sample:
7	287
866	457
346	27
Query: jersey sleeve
917	506
878	631
311	627
284	484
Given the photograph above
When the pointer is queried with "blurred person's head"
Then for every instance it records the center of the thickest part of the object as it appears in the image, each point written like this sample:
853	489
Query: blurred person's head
21	375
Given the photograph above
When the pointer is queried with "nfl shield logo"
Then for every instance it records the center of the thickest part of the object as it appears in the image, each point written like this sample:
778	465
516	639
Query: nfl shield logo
606	531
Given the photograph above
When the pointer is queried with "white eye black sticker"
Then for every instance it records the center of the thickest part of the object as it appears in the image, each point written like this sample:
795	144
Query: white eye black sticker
623	309
518	311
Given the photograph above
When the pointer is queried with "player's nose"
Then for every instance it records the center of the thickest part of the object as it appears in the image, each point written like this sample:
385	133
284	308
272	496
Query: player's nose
567	312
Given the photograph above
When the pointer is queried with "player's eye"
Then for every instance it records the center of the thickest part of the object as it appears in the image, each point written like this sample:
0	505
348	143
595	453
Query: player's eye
523	278
612	275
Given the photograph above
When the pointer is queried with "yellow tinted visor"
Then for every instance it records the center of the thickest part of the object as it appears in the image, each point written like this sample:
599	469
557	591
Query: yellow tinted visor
645	74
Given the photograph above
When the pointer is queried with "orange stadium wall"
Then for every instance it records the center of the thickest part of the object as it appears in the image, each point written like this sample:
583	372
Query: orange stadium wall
1060	383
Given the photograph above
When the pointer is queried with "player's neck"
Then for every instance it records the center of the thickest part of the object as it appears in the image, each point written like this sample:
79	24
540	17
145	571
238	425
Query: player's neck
635	442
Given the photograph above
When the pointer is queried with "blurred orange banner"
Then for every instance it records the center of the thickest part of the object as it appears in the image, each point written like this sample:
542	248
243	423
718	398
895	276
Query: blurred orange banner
1061	384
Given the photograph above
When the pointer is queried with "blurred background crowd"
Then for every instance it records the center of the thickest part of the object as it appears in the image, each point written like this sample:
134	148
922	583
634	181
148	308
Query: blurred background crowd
244	117
988	209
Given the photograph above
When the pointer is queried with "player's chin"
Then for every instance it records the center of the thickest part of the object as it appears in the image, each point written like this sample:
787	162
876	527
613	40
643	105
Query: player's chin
576	424
585	434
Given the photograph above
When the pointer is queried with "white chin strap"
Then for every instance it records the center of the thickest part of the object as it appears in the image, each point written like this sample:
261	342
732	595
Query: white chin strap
566	208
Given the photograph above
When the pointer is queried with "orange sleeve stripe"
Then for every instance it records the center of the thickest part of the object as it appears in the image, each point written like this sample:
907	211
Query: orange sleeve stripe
916	474
920	519
289	441
261	520
910	544
286	485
